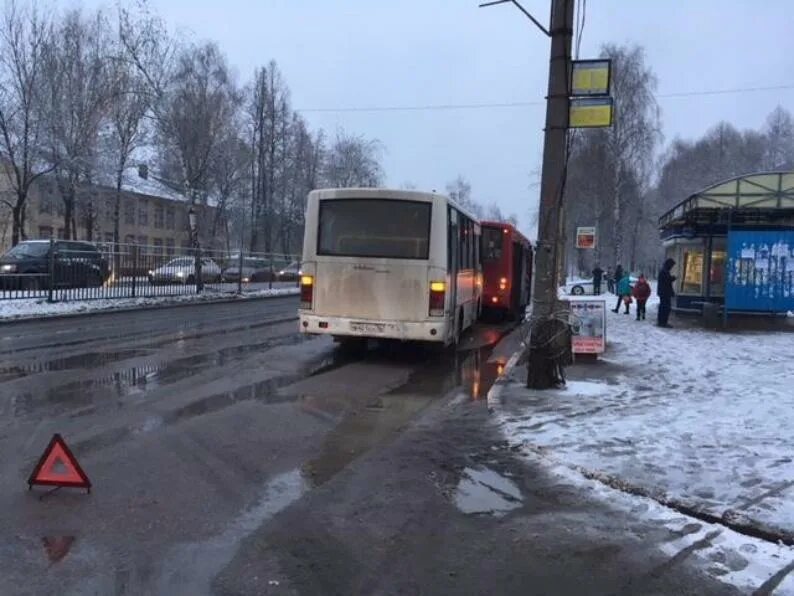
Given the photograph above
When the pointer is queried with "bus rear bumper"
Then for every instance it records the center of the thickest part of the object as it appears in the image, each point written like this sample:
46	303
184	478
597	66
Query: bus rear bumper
340	326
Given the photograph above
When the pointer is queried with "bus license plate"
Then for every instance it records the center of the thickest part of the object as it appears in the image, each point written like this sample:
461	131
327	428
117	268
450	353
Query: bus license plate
368	327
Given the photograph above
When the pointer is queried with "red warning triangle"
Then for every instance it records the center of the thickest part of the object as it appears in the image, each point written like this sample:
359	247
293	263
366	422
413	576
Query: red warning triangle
58	467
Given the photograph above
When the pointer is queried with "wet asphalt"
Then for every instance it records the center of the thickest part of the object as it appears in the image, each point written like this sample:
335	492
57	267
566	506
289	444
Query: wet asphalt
196	425
230	455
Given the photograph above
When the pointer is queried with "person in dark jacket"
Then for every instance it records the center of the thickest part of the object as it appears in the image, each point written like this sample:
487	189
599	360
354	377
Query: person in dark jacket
610	281
665	292
598	273
618	277
641	292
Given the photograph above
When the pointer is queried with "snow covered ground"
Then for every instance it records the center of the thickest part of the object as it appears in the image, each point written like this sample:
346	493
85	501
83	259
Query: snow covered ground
39	307
698	420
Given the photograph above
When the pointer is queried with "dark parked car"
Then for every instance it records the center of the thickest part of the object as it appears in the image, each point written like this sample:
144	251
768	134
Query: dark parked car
254	270
75	265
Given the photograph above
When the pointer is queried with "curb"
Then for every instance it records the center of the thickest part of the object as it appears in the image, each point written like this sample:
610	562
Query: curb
499	384
124	309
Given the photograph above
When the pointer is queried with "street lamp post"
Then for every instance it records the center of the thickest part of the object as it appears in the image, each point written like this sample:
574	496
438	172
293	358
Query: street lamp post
192	216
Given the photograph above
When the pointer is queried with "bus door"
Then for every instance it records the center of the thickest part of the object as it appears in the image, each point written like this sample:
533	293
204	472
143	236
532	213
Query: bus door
453	261
517	276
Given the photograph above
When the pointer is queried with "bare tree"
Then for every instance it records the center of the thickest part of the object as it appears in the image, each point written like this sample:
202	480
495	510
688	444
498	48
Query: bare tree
632	138
193	112
24	37
125	131
353	161
610	169
723	152
269	114
779	133
228	172
78	94
302	175
459	190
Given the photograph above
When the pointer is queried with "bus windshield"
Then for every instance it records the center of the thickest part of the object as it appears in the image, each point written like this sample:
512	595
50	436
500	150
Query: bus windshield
491	244
394	229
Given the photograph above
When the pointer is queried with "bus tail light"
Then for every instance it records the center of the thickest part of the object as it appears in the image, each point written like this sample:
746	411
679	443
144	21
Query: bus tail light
503	283
307	291
438	291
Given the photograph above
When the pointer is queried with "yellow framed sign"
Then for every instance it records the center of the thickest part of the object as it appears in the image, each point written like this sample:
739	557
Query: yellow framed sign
590	77
590	112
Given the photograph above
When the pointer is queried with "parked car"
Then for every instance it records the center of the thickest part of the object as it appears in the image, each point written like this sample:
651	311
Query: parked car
289	273
182	270
254	270
584	287
74	265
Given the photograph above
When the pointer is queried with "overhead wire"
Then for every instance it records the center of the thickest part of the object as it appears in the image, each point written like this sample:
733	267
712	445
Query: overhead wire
523	104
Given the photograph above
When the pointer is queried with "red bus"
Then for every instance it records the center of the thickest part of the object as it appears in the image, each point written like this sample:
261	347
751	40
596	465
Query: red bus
506	268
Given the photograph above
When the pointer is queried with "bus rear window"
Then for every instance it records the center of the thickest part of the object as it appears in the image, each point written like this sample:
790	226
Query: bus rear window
492	244
374	228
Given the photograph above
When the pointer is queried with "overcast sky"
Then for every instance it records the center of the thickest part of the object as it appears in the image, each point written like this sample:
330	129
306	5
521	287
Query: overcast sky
363	53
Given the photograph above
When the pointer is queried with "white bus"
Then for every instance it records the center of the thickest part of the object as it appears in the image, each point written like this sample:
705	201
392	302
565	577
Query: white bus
394	264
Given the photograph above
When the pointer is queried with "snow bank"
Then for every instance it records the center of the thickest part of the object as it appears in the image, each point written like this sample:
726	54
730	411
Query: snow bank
698	417
728	556
35	308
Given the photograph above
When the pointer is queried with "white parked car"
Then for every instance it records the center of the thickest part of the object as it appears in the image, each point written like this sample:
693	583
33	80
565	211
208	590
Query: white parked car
584	287
182	270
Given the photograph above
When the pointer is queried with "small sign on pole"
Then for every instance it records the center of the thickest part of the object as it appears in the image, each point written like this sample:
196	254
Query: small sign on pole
586	237
590	77
590	112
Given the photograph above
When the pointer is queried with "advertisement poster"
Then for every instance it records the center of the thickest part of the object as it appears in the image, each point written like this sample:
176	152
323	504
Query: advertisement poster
760	272
589	336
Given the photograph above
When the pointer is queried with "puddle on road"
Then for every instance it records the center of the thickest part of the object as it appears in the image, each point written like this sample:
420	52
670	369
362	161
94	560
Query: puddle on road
190	568
78	361
264	391
482	491
472	371
360	423
138	380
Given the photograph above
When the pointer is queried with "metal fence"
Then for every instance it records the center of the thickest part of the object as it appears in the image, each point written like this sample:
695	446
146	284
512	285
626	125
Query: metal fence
63	270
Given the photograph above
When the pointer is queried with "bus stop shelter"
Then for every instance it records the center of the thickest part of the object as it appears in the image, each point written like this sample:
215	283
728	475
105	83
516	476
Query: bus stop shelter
733	244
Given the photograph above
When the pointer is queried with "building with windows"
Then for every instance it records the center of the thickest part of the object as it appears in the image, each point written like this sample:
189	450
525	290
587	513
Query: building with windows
733	244
151	214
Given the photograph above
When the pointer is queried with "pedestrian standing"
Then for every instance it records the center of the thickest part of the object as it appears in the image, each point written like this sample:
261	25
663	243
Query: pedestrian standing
610	281
624	293
666	293
616	280
598	273
617	277
641	292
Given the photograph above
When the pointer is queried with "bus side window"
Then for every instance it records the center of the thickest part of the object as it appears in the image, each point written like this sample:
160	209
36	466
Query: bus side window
462	244
477	256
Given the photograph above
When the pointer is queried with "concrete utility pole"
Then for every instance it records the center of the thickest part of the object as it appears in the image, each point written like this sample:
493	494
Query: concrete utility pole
550	337
549	340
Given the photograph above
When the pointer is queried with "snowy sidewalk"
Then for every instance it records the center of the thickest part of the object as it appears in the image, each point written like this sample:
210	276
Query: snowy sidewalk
699	420
23	309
